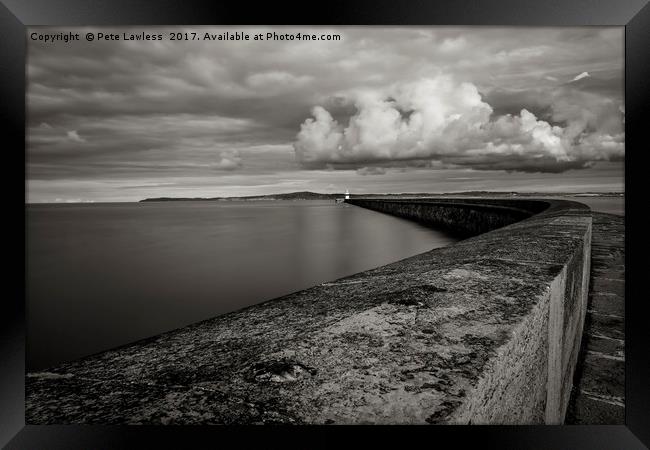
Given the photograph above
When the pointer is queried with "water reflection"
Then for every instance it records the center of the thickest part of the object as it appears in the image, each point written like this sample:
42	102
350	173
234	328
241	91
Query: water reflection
102	275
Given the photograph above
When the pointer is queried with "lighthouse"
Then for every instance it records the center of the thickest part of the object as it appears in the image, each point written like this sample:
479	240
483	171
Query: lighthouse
347	195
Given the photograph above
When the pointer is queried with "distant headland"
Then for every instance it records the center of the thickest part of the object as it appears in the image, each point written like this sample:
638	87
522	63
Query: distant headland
307	195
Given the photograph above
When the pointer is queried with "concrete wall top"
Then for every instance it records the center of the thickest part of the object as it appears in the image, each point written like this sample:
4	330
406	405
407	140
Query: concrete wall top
464	334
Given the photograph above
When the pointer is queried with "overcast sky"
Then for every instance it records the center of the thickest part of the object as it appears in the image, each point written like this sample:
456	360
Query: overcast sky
436	109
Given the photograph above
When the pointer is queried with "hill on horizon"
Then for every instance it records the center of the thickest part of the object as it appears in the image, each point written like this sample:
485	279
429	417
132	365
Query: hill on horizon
308	195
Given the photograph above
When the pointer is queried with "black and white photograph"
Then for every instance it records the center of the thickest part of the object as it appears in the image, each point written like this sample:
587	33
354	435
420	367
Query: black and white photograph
325	225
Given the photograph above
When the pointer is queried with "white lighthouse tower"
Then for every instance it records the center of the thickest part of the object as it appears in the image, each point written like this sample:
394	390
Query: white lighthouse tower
347	195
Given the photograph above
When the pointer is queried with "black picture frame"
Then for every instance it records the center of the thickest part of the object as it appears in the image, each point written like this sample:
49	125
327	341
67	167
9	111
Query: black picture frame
16	15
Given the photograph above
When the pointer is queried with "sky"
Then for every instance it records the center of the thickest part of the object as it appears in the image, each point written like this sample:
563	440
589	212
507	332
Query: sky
381	110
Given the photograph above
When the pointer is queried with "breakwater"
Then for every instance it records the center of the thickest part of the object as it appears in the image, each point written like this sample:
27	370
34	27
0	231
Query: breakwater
484	331
467	217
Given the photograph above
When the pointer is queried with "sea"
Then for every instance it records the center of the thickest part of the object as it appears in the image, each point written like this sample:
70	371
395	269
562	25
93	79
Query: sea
101	275
605	204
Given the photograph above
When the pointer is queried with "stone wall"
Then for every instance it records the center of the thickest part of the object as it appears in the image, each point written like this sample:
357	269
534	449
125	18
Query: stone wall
483	331
461	217
551	334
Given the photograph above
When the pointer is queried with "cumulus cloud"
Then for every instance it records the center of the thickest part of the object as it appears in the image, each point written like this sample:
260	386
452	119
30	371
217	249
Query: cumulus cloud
228	160
441	119
74	136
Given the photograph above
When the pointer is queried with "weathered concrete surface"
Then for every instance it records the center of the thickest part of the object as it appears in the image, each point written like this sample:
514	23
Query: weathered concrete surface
462	334
567	302
598	397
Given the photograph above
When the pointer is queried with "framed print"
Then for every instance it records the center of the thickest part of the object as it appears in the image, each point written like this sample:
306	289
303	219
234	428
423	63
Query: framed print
360	218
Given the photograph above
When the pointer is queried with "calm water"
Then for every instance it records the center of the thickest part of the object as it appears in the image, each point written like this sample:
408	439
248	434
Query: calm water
611	205
103	275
